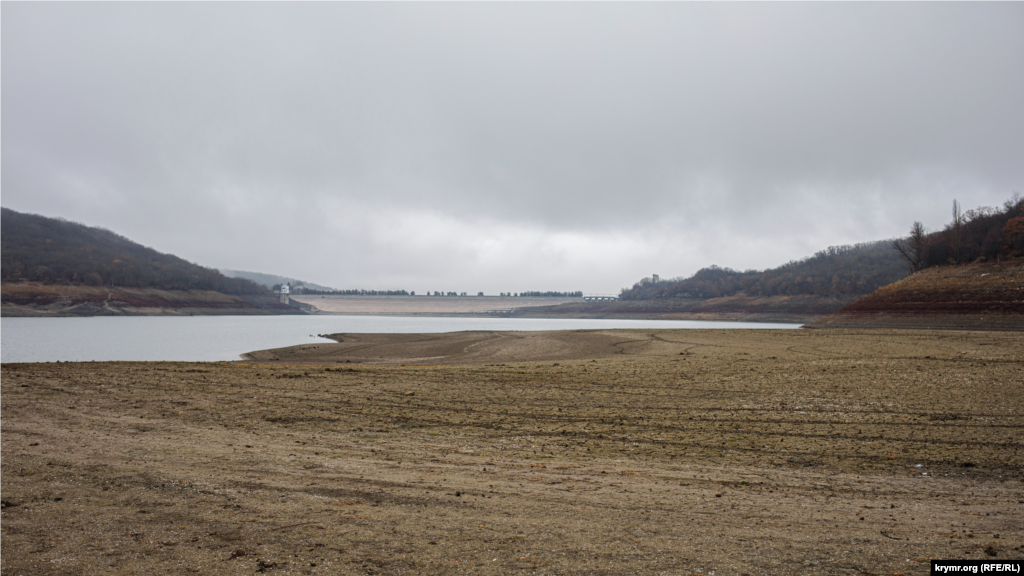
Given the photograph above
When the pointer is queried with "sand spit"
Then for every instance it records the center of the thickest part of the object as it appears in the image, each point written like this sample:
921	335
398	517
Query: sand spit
679	452
470	347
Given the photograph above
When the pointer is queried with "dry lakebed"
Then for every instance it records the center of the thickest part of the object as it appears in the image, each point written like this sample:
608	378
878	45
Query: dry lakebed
591	452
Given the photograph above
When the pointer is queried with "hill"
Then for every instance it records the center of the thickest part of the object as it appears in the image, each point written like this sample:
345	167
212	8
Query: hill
980	234
976	296
970	275
839	272
843	277
799	291
270	280
53	267
56	251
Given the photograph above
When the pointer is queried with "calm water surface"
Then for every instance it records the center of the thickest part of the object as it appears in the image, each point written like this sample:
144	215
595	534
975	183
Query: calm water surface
214	338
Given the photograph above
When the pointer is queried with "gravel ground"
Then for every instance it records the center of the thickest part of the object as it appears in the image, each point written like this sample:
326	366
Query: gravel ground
677	452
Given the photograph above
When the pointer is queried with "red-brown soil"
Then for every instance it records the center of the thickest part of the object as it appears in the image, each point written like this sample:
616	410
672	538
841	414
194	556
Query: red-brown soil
30	299
979	296
638	452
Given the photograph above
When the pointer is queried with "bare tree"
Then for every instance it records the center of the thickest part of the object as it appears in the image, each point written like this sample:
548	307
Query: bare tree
913	249
919	244
1016	201
956	234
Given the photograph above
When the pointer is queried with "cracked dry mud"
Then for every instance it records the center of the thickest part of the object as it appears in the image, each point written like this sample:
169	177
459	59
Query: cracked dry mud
681	452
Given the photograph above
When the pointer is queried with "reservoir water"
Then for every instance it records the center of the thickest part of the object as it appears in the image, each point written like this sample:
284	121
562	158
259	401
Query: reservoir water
218	338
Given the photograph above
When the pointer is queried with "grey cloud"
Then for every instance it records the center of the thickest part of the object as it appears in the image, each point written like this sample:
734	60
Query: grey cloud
748	134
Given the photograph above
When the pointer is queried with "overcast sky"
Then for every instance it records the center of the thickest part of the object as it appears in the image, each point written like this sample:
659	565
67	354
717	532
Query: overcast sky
508	146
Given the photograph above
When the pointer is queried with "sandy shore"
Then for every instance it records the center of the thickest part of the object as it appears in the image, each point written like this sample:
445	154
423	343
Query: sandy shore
605	452
469	347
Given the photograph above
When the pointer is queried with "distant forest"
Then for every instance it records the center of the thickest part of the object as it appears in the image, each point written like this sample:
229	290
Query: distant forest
981	234
307	290
841	271
836	271
57	251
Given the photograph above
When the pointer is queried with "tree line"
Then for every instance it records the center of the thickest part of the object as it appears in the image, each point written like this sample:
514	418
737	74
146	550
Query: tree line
359	292
305	290
56	251
981	234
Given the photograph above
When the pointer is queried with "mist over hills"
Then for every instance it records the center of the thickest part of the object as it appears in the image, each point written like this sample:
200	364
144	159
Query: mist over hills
976	235
269	280
53	251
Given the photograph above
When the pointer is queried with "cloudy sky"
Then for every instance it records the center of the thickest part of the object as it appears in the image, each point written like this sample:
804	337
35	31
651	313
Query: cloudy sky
508	146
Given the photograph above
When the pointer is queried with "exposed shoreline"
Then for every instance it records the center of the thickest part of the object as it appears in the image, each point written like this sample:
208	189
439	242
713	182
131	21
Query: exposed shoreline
523	313
27	300
980	296
480	347
617	451
795	310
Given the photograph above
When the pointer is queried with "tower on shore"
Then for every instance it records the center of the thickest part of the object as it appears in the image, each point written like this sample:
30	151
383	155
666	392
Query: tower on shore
284	293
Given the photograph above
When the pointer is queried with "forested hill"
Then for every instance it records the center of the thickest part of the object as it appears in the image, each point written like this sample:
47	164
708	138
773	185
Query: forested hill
978	235
839	271
55	251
